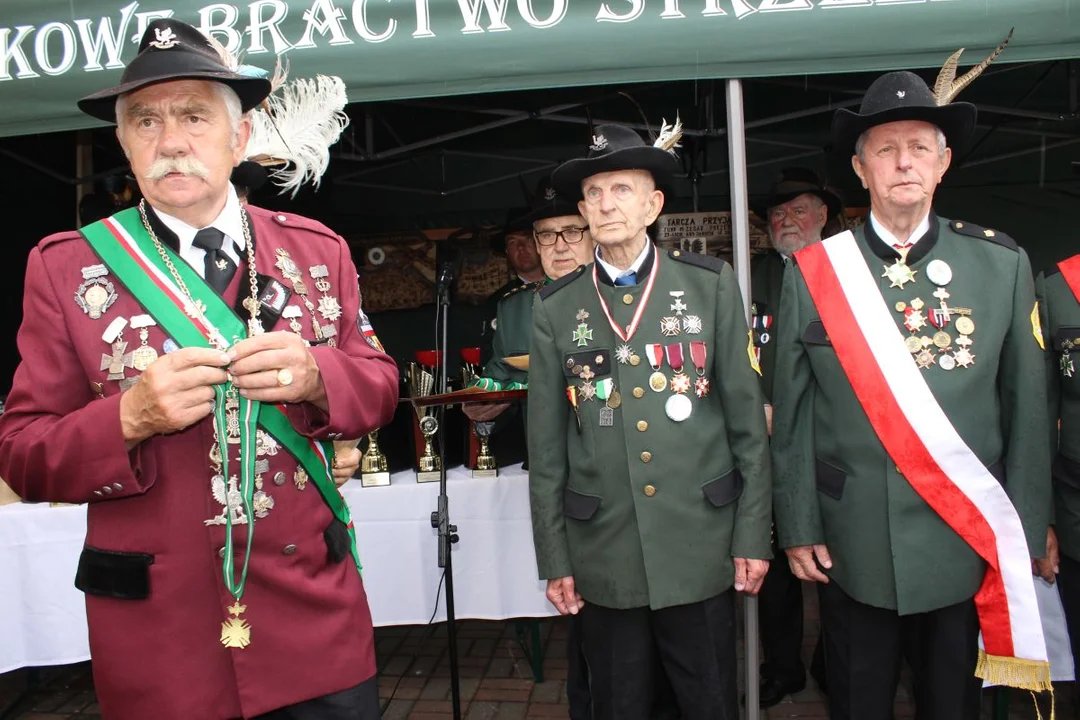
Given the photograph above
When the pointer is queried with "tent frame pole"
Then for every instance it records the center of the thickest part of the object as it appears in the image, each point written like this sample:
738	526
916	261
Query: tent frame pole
740	236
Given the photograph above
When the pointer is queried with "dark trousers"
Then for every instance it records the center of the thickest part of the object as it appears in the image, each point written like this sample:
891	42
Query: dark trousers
781	606
695	644
357	703
1069	586
864	648
577	672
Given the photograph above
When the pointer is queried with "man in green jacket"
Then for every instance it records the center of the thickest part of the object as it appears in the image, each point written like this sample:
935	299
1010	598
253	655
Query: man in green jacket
795	211
909	440
1058	290
649	482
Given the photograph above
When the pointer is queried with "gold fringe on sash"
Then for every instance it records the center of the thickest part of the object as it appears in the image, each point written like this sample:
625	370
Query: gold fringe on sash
1031	675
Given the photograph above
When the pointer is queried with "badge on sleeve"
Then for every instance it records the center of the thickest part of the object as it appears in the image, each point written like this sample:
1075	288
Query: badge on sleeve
1036	326
364	325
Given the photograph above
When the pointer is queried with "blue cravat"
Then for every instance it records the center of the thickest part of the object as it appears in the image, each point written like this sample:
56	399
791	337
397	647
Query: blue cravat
627	278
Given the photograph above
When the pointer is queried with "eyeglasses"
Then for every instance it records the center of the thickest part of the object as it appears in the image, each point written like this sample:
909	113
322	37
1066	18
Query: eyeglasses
570	236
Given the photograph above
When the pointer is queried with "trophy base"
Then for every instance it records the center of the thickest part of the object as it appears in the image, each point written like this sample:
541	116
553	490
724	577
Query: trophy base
481	473
375	479
428	476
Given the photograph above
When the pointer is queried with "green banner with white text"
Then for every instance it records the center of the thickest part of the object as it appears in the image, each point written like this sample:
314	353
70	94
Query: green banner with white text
54	51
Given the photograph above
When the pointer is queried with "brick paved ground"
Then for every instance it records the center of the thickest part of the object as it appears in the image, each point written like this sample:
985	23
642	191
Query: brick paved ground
496	680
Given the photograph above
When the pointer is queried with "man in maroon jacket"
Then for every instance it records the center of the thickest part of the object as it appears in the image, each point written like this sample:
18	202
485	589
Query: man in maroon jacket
186	367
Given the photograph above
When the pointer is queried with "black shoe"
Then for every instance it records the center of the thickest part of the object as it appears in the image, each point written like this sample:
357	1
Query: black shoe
772	691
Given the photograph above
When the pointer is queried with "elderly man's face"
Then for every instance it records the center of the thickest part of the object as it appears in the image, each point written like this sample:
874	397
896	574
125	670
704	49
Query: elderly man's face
521	253
797	223
900	165
620	205
562	256
181	144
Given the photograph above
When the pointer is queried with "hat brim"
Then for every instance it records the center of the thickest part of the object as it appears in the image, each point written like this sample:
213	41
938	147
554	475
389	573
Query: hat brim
956	120
158	67
568	177
832	201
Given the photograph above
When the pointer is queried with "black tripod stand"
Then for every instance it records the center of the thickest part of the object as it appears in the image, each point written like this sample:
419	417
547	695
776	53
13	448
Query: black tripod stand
440	519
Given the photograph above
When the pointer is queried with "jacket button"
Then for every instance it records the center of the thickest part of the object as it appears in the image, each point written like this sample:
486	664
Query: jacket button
221	552
107	490
639	392
649	490
281	218
99	493
628	299
288	549
117	486
642	426
898	469
279	478
646	456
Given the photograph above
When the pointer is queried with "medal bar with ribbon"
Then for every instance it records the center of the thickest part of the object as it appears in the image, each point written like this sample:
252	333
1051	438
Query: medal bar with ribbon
680	382
697	356
655	354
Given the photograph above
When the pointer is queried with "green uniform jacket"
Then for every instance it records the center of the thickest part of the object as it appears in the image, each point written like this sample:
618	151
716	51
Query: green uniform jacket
766	281
1061	323
649	511
836	485
513	329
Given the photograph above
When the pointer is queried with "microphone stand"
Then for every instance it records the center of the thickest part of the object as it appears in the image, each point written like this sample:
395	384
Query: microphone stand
440	519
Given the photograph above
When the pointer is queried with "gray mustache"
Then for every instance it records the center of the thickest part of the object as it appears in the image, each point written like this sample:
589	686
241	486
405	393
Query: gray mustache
186	165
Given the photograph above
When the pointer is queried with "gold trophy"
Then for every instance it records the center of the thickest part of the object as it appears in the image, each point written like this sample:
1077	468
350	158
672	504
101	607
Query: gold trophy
374	469
485	461
421	383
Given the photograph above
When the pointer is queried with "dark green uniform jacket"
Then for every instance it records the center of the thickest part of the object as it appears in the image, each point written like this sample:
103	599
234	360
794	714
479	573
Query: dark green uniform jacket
766	281
836	485
513	329
1061	323
647	511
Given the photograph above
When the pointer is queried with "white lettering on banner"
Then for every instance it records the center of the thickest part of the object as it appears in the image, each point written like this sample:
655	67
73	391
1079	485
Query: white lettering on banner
741	8
13	51
784	5
558	12
606	14
671	10
41	48
233	40
470	13
145	18
324	17
112	43
423	20
260	26
359	10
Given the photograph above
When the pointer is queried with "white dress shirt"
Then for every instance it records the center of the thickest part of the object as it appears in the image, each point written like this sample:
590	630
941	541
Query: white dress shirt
614	272
228	222
891	239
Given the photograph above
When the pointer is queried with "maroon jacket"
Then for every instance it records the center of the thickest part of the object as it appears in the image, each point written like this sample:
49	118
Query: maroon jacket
60	440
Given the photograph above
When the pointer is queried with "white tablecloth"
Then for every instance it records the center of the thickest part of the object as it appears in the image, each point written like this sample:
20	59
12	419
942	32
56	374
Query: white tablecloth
42	615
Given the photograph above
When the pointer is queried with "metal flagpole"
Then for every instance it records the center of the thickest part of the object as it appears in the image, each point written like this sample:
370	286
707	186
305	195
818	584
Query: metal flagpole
740	239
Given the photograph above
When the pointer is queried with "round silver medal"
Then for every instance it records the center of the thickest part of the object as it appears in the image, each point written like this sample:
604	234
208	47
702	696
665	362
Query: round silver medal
939	272
678	407
947	362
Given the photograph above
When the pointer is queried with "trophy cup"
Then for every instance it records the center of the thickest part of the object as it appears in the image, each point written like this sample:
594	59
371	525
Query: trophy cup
374	469
484	465
421	383
470	365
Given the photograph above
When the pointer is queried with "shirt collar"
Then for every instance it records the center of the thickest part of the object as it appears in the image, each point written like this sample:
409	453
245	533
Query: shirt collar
228	221
891	239
614	272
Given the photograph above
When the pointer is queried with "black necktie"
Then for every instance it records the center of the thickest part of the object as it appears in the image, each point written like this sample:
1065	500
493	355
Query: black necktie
219	266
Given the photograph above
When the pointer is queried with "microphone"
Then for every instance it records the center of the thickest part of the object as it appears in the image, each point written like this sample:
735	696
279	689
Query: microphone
446	277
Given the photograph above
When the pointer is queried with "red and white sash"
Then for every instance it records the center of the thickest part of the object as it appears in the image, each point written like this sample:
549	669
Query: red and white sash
1070	270
932	456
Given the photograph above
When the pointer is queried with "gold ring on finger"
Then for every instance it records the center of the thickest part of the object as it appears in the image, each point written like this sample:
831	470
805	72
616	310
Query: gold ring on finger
284	377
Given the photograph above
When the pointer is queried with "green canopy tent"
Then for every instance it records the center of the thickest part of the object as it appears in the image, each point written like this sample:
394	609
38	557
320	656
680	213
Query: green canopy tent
54	51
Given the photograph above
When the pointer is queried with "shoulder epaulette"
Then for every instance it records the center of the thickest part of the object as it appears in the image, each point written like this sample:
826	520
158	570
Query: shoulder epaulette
291	220
556	285
526	286
975	231
700	260
59	237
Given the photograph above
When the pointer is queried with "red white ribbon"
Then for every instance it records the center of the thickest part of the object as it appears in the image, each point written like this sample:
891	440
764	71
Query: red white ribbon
636	320
1070	270
675	356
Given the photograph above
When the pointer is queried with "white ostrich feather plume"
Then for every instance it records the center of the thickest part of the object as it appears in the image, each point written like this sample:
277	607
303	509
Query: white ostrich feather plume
296	128
669	136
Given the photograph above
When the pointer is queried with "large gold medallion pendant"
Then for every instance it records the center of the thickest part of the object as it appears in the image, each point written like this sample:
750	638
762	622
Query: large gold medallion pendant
235	631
